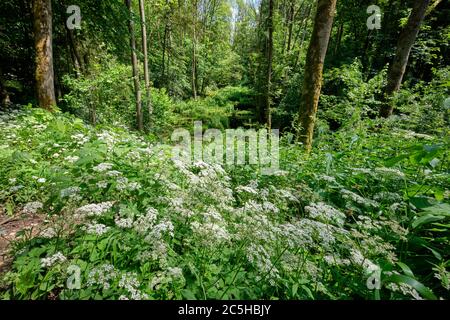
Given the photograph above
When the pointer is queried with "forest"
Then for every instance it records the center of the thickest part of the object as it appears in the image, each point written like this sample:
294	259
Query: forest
224	150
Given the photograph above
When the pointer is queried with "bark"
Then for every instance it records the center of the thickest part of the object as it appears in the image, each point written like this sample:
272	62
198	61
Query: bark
134	63
194	53
315	58
264	73
145	51
268	115
290	25
404	44
78	61
44	74
340	33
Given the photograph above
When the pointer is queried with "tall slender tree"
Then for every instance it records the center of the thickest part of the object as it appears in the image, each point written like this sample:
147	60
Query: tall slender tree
145	52
264	79
404	44
135	67
315	58
44	74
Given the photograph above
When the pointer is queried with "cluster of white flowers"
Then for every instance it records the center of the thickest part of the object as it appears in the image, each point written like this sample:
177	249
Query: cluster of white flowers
123	184
390	171
96	229
16	188
295	235
48	233
166	277
71	192
328	179
252	206
164	227
108	138
133	156
408	134
94	209
102	184
325	213
157	253
32	207
145	222
129	282
443	275
52	260
124	223
212	215
357	258
247	189
258	256
102	167
388	196
361	170
80	138
402	287
113	173
349	195
210	233
286	194
72	159
102	275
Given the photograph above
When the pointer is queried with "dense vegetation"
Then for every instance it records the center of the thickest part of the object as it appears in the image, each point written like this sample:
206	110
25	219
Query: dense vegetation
359	209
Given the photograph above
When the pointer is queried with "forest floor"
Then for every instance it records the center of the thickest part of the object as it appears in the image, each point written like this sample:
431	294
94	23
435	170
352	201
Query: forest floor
10	229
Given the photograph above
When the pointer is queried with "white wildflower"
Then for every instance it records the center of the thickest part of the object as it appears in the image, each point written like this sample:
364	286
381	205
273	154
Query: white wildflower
102	184
52	260
124	223
97	229
105	166
94	209
72	159
32	207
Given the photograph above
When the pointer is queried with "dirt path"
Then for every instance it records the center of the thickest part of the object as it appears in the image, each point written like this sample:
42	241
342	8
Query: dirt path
9	227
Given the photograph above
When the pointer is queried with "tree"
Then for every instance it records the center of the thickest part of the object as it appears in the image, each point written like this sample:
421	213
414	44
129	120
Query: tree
315	59
144	50
44	74
266	58
404	45
134	64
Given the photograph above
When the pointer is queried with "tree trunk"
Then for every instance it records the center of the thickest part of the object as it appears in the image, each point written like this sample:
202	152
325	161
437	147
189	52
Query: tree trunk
315	58
194	53
404	45
268	116
45	87
264	71
134	63
145	51
78	61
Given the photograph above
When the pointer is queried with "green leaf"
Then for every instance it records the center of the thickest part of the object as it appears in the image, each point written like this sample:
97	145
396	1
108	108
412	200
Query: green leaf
406	269
426	219
419	287
188	294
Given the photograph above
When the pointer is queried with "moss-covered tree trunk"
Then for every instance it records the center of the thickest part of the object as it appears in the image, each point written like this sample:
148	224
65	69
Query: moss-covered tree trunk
44	74
404	45
315	58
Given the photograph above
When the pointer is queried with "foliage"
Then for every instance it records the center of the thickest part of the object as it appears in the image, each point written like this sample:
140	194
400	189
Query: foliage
141	226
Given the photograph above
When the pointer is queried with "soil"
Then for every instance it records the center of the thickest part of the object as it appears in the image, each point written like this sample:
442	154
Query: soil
9	227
